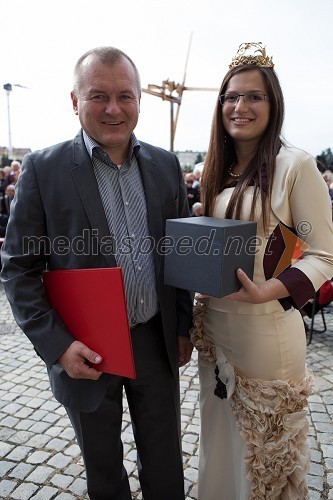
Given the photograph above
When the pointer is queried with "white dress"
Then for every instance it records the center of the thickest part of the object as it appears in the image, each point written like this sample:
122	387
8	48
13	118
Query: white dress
253	444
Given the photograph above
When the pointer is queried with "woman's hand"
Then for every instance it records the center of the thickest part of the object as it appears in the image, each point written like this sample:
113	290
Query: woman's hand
185	348
272	289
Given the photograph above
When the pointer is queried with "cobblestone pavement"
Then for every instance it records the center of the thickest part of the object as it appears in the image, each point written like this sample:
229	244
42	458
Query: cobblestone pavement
40	460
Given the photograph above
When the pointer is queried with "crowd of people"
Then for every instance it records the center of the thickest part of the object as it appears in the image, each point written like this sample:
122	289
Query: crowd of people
254	382
192	185
8	178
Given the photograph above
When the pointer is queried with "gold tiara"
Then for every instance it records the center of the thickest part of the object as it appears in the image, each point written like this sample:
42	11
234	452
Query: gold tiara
256	55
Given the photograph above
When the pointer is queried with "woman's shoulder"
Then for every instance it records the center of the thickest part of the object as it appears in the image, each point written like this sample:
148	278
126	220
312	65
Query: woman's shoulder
297	175
291	158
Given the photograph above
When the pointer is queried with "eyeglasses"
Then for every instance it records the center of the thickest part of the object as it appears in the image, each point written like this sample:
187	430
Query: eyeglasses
251	99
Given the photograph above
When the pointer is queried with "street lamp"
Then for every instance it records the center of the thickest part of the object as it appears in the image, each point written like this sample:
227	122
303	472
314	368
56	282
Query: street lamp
8	88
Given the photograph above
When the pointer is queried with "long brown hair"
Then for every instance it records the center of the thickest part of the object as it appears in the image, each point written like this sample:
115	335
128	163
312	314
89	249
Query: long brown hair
221	153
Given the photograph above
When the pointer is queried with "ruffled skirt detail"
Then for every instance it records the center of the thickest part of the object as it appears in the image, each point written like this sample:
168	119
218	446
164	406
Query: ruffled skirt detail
271	418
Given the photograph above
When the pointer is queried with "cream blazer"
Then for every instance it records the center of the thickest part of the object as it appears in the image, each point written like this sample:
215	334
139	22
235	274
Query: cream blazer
300	200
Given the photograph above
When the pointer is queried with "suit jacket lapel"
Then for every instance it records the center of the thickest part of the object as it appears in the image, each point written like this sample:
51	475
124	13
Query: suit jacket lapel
150	179
86	184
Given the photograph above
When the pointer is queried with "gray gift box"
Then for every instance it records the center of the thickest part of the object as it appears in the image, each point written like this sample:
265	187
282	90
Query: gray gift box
202	254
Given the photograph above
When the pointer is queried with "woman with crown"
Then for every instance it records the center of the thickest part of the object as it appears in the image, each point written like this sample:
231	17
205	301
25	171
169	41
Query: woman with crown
253	442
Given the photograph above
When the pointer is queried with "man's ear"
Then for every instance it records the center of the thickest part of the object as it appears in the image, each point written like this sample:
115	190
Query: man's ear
74	102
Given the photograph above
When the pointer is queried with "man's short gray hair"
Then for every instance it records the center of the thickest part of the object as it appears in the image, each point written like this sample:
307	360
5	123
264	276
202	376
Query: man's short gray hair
106	55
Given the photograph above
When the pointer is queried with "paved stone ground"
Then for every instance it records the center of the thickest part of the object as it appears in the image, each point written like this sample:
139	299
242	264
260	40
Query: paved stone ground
40	460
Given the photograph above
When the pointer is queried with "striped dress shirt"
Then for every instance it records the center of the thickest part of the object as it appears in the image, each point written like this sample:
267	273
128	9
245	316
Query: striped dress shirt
124	202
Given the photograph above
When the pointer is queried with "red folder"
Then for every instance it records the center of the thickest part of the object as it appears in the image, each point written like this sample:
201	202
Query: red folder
92	305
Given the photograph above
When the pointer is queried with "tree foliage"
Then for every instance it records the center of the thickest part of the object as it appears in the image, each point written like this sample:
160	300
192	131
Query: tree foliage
4	161
199	158
325	160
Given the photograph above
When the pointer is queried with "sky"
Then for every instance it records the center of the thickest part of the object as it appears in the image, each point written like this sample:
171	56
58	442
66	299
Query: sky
42	40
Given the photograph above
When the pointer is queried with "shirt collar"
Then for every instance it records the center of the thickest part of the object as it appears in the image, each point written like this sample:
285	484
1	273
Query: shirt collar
90	144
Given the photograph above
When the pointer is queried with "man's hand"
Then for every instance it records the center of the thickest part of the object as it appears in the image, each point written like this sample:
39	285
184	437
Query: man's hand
74	361
185	348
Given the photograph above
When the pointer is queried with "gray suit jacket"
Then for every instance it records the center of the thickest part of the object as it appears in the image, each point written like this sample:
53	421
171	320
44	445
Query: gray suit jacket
56	201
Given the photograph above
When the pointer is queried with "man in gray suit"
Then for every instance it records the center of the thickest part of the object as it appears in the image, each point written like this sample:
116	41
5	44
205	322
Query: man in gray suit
106	184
